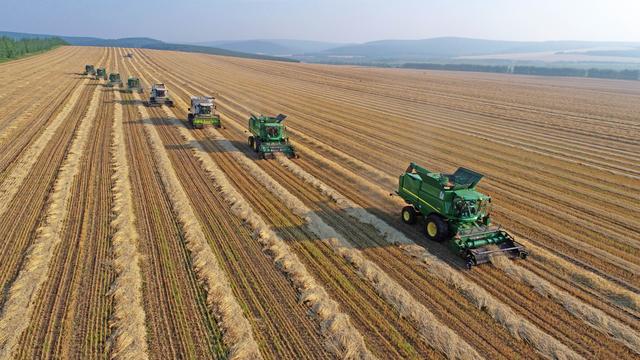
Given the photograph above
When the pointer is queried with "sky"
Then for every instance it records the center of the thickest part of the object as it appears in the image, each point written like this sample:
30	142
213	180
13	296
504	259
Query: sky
327	20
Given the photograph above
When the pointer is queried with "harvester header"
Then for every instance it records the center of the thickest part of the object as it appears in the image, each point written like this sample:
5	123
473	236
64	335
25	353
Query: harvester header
455	212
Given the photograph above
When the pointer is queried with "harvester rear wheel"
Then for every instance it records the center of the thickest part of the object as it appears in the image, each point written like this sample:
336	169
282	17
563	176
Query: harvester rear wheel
436	228
409	215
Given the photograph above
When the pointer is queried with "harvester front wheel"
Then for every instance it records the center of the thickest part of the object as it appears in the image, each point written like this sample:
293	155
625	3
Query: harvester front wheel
409	215
436	228
250	141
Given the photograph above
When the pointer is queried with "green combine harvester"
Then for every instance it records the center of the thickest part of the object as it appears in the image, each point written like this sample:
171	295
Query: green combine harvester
89	70
202	112
134	85
101	73
269	136
455	212
114	79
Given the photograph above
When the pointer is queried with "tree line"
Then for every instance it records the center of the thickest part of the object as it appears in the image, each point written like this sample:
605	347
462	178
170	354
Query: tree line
532	70
13	49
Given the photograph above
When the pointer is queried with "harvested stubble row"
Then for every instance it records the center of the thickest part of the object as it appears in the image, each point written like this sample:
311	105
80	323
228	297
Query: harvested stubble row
129	332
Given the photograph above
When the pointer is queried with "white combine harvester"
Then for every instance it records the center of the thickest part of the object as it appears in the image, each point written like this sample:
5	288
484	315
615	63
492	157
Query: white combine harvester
159	95
202	112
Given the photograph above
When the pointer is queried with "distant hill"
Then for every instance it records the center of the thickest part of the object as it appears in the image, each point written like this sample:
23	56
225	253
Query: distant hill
451	47
214	51
144	43
634	53
278	47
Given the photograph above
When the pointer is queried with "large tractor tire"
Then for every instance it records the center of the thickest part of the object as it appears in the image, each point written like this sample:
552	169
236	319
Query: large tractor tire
409	215
256	145
436	228
250	141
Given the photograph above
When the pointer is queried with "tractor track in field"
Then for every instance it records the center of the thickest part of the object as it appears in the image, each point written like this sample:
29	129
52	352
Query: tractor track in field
587	341
128	322
341	338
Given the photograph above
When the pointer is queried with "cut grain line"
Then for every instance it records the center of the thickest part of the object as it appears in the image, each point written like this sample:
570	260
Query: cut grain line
11	185
237	330
592	316
130	338
20	301
343	339
515	324
434	333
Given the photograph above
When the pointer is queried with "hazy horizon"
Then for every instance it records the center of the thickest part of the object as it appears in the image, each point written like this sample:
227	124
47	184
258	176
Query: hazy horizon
329	20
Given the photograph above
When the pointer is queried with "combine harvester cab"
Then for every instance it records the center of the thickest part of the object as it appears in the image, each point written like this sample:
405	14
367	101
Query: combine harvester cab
114	79
159	95
269	136
202	112
101	73
89	70
133	85
455	212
